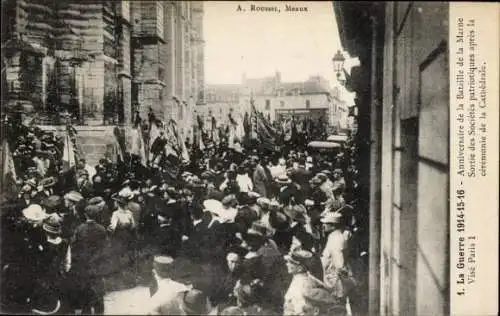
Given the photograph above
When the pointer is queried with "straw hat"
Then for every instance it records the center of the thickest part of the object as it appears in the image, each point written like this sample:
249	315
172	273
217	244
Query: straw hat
53	225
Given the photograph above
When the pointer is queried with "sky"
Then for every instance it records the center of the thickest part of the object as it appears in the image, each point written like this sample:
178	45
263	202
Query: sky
298	44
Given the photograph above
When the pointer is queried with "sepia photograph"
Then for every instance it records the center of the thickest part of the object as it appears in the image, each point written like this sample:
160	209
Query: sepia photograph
248	158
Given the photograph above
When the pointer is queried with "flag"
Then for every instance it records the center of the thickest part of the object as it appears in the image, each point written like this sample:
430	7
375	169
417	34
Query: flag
69	156
137	144
8	168
8	184
118	146
154	132
263	130
173	146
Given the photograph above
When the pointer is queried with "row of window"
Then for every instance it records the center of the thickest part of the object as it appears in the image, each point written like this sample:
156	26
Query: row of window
282	104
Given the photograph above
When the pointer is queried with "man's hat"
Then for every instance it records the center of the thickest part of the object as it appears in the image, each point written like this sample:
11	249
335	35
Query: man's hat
126	193
53	224
331	218
48	182
259	229
213	206
34	212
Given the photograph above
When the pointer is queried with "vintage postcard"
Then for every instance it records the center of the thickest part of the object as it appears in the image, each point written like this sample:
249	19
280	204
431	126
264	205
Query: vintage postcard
249	157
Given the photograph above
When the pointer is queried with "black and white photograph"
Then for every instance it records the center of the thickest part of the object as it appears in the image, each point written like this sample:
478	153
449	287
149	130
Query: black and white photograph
248	158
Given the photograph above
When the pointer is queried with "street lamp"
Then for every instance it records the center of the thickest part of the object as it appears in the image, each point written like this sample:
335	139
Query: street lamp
338	63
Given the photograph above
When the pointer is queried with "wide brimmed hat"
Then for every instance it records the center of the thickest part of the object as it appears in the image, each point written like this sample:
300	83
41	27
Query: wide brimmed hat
259	229
48	182
126	193
300	257
193	302
73	196
331	218
31	183
120	199
34	212
322	176
283	179
83	172
213	206
53	225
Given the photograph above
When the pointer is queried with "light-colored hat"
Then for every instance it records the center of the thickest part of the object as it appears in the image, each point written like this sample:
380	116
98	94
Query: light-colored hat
126	193
35	213
309	202
213	206
73	196
331	218
283	179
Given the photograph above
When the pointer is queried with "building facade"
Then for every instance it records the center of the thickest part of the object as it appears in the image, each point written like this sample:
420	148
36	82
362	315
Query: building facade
402	96
278	100
101	61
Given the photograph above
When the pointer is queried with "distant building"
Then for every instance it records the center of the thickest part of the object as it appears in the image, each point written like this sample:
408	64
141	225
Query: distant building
276	99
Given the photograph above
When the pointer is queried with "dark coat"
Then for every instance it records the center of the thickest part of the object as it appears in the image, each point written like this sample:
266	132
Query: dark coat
292	190
88	251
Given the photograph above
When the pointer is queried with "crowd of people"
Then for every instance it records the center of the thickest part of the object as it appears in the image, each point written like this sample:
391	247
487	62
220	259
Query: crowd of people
250	231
